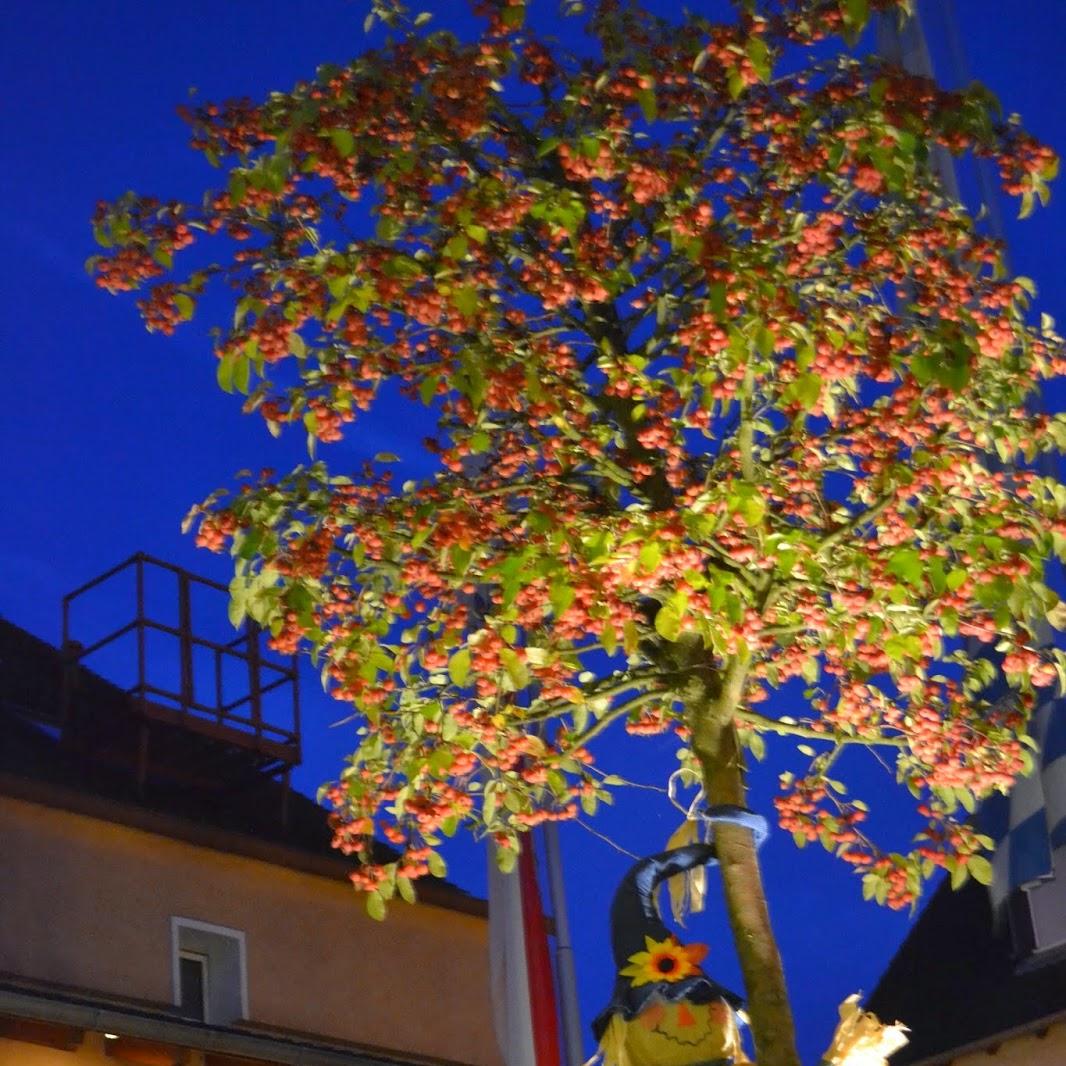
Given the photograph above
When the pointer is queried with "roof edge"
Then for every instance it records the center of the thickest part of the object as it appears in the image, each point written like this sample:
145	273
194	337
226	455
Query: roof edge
159	1026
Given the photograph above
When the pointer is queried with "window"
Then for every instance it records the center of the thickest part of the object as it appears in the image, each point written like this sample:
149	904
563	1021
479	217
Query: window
192	984
210	979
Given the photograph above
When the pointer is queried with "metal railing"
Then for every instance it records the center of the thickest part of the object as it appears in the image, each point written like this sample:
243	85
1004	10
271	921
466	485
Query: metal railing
264	674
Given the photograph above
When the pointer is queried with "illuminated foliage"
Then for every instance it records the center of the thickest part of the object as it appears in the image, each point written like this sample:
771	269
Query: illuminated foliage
728	394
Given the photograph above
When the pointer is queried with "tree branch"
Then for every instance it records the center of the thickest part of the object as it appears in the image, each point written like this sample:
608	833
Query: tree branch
615	713
849	527
764	724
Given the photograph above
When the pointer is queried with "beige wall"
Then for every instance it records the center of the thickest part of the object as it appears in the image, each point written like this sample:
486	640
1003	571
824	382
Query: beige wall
88	903
1028	1050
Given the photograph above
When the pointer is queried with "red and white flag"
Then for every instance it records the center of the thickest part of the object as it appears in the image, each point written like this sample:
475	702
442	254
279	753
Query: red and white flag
520	967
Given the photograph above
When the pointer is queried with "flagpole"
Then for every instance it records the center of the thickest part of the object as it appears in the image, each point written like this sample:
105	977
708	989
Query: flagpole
566	975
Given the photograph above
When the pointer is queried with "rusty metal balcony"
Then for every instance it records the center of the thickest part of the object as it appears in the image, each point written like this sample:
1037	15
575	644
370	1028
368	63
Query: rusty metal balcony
199	705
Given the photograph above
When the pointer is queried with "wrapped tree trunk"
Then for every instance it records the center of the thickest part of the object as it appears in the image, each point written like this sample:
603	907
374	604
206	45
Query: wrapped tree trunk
714	742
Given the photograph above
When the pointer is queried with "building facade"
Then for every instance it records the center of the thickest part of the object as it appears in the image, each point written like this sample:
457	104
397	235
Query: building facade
165	899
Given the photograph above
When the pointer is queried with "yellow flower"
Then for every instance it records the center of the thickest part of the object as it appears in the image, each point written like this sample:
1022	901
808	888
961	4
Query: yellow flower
665	960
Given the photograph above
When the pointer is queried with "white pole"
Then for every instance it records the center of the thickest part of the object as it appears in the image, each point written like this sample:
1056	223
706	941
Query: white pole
566	975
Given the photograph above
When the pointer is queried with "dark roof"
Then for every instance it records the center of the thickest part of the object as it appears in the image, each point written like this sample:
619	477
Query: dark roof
198	788
954	981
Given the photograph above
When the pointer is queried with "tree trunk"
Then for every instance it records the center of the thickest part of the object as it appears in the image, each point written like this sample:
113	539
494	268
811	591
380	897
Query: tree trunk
714	742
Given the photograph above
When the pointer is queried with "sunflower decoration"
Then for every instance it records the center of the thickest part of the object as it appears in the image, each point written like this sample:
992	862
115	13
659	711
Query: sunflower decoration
664	960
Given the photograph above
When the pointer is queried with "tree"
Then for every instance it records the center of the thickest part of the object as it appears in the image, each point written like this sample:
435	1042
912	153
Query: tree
728	395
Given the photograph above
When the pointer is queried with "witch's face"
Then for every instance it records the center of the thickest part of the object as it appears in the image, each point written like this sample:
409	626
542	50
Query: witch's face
682	1034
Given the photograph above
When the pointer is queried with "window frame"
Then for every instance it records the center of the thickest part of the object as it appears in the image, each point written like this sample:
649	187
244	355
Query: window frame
177	924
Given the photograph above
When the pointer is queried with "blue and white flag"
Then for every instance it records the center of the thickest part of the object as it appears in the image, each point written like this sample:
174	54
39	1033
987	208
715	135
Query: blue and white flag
1030	823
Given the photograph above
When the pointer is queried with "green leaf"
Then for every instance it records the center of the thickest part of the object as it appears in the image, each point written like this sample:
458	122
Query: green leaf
224	372
764	341
759	56
242	374
406	889
561	596
513	17
668	623
650	556
185	304
980	869
648	104
959	875
856	13
516	669
806	390
609	639
753	508
387	229
238	599
428	389
459	666
465	300
456	248
238	185
375	906
488	806
437	866
906	564
589	147
343	141
440	762
557	783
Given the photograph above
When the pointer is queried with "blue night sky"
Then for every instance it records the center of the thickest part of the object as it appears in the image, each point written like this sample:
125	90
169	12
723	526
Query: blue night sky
109	434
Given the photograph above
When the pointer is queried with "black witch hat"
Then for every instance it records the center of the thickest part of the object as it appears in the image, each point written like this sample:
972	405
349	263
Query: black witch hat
635	916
